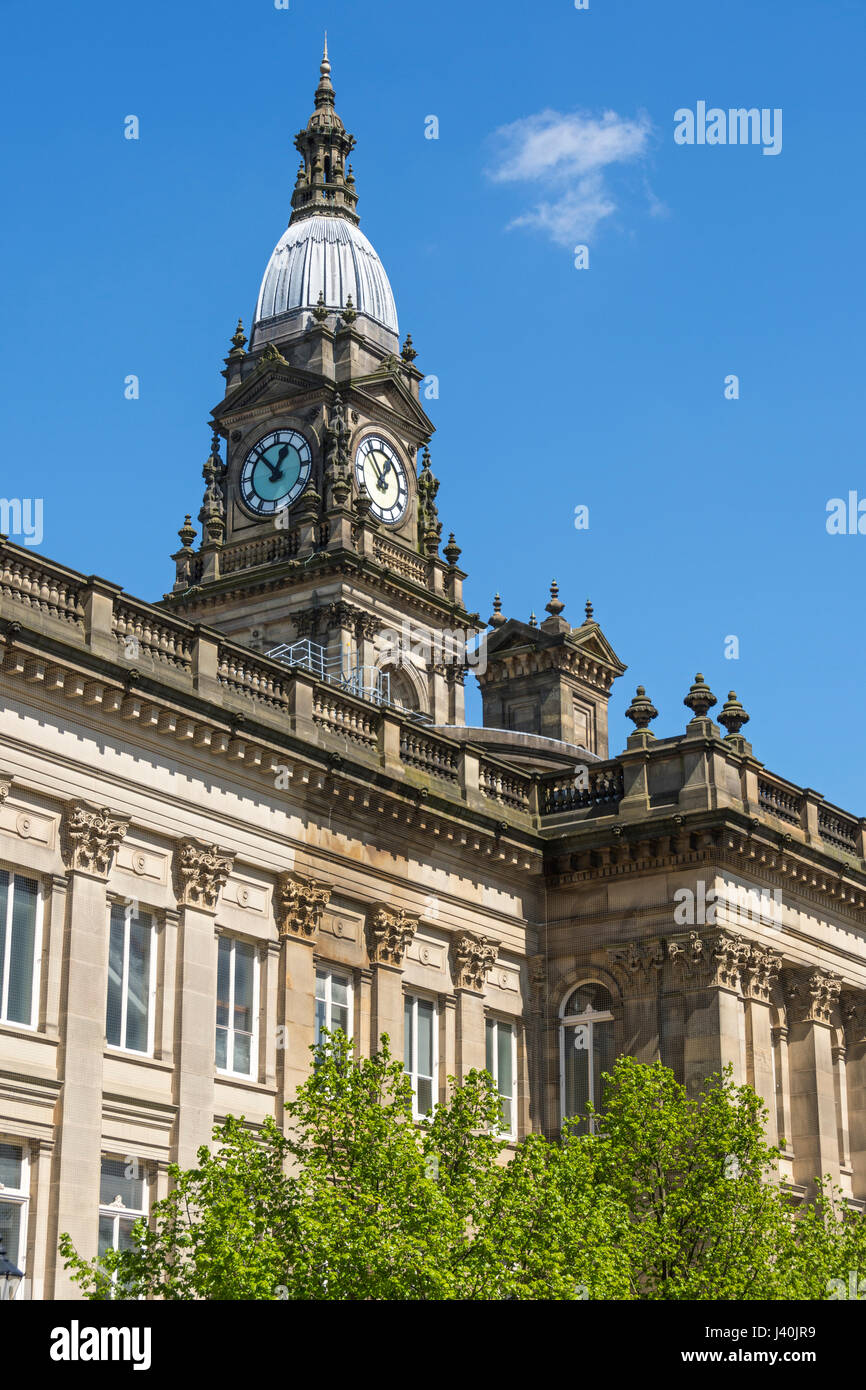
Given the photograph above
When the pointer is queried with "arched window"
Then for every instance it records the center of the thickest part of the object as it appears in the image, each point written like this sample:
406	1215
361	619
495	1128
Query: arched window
586	1049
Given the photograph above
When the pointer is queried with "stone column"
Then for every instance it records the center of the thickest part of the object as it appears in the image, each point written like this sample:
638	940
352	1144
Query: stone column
779	1037
539	1116
299	903
472	958
759	972
447	1040
708	969
811	996
389	932
637	968
90	836
200	871
854	1015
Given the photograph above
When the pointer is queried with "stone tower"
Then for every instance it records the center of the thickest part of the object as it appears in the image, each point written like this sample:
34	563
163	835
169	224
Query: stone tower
320	524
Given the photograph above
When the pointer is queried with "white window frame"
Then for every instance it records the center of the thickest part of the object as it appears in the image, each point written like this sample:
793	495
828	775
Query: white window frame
333	972
586	1019
510	1132
115	1212
252	1074
37	949
413	1074
19	1196
151	987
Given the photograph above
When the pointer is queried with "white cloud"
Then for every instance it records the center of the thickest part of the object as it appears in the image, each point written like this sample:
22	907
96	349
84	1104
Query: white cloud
567	158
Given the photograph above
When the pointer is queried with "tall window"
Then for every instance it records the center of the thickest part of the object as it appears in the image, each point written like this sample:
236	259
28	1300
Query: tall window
14	1196
333	1003
419	1050
501	1049
131	957
19	932
237	1005
122	1202
586	1049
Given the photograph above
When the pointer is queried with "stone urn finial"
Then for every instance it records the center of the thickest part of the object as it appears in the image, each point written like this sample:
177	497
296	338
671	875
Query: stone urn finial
700	698
497	618
732	715
642	711
555	606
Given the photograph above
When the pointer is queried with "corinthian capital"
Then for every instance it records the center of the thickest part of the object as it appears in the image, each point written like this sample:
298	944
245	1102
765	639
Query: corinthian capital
637	965
388	935
471	960
811	994
299	903
90	836
709	961
200	871
759	970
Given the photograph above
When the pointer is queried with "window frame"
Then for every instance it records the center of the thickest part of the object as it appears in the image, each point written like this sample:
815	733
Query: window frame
253	1073
20	1197
496	1022
346	976
5	973
411	996
127	905
586	1019
117	1214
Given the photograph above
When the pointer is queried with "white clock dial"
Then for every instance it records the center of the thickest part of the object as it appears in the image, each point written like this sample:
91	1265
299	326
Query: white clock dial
378	469
275	472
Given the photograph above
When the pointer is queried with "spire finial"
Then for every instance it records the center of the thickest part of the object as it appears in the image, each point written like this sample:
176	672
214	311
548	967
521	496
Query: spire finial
555	606
496	619
588	611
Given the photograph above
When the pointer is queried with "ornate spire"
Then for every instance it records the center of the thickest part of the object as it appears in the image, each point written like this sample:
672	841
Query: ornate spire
496	618
324	186
555	606
429	525
588	611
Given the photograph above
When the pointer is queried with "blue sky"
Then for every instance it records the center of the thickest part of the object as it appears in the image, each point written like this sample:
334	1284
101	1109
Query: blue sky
558	387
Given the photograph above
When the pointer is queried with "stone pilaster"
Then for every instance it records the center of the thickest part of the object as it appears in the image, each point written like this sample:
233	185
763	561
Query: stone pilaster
200	871
707	969
759	973
637	968
853	1003
90	836
811	996
299	903
472	958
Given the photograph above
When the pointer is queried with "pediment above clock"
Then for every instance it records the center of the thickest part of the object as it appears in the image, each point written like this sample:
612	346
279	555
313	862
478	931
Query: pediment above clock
389	391
272	384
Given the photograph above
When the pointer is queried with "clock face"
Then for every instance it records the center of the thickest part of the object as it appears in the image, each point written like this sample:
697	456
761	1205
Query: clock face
275	471
379	470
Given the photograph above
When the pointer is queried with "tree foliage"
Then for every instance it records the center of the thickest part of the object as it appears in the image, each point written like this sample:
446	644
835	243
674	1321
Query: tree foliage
669	1197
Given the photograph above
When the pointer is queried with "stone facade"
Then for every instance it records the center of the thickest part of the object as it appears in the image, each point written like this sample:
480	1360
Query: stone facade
257	843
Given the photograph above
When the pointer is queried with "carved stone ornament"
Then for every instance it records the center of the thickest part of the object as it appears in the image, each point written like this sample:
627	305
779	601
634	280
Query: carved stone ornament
388	935
5	784
471	960
759	970
637	965
708	962
90	836
200	871
853	1005
811	994
299	903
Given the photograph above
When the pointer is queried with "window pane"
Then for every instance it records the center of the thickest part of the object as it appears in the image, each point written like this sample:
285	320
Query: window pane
603	1057
124	1234
4	904
507	1113
576	1070
588	998
340	1019
504	1057
425	1095
321	984
243	1011
223	969
321	1019
339	991
138	992
491	1048
106	1234
425	1037
242	1054
10	1231
115	976
121	1178
11	1156
407	1033
25	896
222	1048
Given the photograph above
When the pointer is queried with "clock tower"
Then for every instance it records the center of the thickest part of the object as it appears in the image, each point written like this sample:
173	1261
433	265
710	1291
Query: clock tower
320	536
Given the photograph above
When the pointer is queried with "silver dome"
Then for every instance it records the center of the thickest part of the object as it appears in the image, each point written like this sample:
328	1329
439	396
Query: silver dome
330	255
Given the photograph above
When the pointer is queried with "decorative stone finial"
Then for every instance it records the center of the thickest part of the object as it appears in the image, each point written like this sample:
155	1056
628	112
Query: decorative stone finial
408	353
350	313
588	611
187	532
320	313
533	621
700	698
642	711
555	606
451	551
496	618
239	340
732	715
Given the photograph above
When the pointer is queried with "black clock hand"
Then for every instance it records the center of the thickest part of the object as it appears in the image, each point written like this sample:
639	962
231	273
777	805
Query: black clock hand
383	473
276	468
